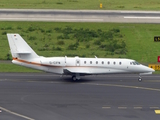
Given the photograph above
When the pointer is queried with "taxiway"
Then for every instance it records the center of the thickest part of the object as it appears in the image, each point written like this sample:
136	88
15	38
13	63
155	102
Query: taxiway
44	96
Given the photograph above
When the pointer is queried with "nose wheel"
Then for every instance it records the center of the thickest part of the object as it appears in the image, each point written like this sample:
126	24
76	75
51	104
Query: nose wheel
140	79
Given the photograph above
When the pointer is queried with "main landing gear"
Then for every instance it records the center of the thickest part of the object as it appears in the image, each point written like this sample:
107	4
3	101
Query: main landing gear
140	79
75	77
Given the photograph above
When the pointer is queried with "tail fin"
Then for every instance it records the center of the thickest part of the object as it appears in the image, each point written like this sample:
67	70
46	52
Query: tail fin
19	48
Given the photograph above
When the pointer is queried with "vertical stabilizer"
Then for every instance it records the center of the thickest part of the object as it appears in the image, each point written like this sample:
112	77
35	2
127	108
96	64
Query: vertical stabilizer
19	48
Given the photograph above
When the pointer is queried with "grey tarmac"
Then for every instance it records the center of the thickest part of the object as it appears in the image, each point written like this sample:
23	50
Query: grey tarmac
114	16
45	96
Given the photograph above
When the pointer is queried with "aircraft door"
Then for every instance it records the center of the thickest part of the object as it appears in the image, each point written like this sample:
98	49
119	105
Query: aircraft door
77	62
65	61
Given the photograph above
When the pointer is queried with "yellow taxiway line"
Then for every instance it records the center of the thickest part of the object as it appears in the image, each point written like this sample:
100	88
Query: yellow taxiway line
157	112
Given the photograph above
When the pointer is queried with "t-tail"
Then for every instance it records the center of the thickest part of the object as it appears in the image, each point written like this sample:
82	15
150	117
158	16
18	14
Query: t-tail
19	48
22	53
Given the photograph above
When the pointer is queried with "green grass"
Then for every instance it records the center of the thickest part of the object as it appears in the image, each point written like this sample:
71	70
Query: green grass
82	4
9	67
48	40
139	39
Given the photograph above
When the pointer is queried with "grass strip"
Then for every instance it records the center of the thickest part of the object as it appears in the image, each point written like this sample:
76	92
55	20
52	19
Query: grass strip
9	67
82	4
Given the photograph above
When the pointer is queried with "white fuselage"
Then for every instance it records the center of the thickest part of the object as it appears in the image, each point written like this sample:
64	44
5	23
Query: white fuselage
84	65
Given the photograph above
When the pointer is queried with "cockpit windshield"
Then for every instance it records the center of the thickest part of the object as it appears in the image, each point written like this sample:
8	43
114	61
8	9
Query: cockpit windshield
134	63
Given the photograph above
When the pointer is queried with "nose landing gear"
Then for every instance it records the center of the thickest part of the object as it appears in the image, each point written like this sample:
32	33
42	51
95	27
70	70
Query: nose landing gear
140	79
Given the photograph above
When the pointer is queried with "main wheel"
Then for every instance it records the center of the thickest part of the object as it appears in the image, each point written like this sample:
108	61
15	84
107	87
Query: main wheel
74	78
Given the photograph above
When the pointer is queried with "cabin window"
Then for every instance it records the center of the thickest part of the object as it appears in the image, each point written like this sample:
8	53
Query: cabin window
120	63
102	62
130	63
90	62
114	63
96	62
84	62
108	62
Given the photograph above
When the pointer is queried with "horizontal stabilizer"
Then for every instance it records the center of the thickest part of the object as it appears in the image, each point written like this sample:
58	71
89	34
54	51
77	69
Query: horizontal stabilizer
23	52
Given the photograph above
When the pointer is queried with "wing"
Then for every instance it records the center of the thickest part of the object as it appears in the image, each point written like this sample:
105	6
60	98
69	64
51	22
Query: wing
71	72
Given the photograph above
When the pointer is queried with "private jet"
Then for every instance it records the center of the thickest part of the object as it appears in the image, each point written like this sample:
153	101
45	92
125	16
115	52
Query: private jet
76	67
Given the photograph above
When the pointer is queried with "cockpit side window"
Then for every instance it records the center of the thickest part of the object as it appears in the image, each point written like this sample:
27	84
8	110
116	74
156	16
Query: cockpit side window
137	63
134	63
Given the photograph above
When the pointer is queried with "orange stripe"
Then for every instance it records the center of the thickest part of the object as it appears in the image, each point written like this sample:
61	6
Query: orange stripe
26	61
39	64
34	63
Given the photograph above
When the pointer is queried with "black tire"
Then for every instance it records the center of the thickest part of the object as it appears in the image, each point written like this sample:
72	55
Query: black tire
74	78
140	79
